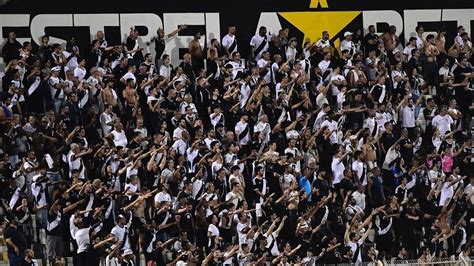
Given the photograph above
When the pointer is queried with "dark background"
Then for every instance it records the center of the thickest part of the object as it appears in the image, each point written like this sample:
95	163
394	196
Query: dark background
244	14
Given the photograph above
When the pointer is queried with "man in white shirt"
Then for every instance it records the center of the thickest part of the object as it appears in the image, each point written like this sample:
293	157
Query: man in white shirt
120	231
242	131
229	42
458	38
407	51
407	108
331	124
348	44
420	39
107	120
337	167
260	43
447	191
75	162
237	65
264	66
324	43
443	121
163	195
56	86
325	63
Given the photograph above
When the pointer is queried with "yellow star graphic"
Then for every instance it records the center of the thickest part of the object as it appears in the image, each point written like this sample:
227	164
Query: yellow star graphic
312	24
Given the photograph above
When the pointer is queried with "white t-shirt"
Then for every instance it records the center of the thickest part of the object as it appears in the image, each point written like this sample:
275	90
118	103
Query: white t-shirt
408	114
244	94
162	196
227	42
256	41
332	125
353	247
443	123
407	52
129	75
53	81
348	45
273	239
105	119
262	63
323	65
447	192
334	89
359	199
82	239
75	164
80	73
239	128
338	168
391	155
120	139
119	233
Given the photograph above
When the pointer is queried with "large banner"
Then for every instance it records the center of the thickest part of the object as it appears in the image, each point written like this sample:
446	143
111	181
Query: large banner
306	19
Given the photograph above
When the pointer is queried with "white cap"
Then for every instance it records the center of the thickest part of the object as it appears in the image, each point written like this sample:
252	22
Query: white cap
396	50
56	68
347	33
127	252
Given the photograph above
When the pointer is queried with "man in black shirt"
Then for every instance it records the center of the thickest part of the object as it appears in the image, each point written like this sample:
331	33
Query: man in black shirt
388	138
16	242
414	62
134	51
11	48
188	68
371	40
160	43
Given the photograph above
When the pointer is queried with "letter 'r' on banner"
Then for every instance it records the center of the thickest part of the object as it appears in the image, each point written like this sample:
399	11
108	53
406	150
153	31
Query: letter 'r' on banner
317	3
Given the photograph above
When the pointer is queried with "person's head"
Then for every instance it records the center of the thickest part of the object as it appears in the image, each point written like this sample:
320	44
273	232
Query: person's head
325	35
148	58
100	35
348	35
262	31
197	36
12	36
29	254
266	55
231	30
45	40
419	30
327	56
372	29
187	58
430	38
393	29
443	110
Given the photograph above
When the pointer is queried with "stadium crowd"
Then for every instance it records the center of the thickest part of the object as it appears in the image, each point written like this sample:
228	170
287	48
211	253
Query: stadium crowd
299	154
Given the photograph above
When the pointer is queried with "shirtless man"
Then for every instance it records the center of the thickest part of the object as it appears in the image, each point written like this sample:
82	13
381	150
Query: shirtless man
390	38
130	94
109	96
441	41
131	98
431	67
195	50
